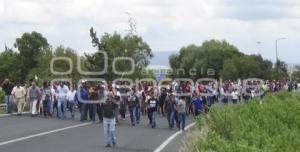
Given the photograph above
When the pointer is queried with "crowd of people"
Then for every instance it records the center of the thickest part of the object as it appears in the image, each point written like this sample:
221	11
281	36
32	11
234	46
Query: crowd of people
108	102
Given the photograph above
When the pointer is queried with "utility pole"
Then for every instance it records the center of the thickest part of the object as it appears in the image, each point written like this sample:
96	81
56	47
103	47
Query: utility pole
276	45
277	59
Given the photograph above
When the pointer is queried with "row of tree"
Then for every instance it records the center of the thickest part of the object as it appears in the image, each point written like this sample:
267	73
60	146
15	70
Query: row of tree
32	54
227	62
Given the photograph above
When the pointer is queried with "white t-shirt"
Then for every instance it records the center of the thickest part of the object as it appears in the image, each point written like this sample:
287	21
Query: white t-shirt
62	92
71	95
181	106
234	95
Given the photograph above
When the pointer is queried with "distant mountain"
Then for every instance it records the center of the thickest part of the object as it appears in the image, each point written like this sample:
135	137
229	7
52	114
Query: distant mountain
161	58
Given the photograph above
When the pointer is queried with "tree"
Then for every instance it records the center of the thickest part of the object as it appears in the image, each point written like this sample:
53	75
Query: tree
43	70
225	59
210	55
296	73
29	46
246	66
63	66
10	66
280	71
116	45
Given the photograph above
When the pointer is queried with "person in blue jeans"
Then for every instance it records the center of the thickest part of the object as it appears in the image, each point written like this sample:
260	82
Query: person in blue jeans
46	99
92	107
72	102
152	110
62	91
7	87
169	107
133	105
181	113
82	97
109	120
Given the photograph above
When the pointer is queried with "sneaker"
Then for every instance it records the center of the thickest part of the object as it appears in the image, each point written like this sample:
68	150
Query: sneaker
108	145
114	144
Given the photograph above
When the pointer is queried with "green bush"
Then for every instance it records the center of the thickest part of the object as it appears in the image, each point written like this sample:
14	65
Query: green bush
1	96
273	126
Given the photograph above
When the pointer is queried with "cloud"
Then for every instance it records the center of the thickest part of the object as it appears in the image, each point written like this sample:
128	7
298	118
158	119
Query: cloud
165	25
260	10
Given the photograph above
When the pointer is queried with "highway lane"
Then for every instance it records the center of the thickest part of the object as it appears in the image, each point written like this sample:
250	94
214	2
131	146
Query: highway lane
88	138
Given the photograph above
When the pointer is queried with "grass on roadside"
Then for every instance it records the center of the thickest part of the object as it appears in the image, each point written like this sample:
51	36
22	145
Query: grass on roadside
2	111
273	126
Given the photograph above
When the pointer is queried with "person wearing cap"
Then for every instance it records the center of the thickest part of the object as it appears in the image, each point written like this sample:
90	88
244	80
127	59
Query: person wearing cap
7	88
109	121
19	94
169	107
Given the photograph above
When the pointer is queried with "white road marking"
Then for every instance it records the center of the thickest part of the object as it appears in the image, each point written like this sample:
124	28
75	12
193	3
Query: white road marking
42	134
166	142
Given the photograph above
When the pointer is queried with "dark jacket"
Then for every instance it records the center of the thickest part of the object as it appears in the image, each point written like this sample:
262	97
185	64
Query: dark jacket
7	88
170	103
109	108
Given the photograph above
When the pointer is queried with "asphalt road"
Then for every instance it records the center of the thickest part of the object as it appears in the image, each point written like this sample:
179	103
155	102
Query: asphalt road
27	134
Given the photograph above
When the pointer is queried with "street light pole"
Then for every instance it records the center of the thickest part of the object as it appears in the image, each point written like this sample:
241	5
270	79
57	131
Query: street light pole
276	45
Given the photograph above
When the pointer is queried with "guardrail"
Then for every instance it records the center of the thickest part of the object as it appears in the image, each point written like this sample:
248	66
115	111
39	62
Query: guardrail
3	105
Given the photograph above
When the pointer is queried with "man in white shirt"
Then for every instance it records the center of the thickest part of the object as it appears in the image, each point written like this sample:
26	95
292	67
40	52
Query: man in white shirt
72	102
62	93
19	94
235	96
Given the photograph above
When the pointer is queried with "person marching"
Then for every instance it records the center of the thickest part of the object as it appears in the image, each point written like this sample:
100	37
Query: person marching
72	102
109	121
169	107
33	96
62	91
7	88
181	113
152	110
19	94
162	99
46	99
134	105
197	105
82	97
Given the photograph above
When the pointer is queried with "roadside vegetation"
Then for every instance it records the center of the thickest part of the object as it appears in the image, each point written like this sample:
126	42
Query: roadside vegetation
273	126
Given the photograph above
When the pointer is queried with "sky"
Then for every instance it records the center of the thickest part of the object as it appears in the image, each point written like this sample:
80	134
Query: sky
166	25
